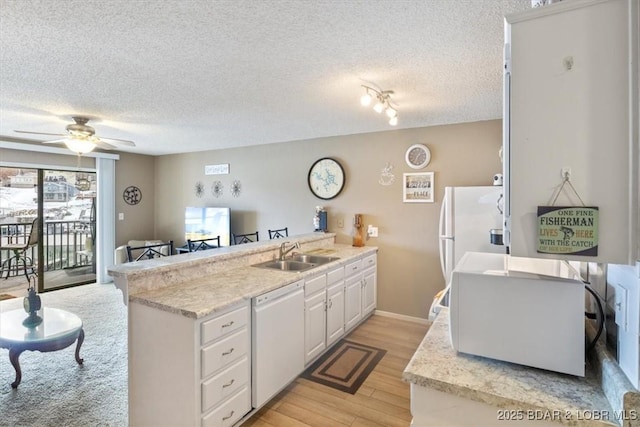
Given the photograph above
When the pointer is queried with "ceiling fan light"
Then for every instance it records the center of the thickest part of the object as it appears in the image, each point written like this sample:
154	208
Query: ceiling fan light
393	121
79	146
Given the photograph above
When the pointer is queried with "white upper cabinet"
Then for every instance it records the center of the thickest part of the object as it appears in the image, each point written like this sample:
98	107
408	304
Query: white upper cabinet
571	104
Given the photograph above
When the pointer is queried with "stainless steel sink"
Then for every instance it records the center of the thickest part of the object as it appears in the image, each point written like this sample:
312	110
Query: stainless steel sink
315	259
287	265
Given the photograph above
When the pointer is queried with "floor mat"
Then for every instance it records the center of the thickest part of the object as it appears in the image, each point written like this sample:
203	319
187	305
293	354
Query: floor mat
346	366
6	296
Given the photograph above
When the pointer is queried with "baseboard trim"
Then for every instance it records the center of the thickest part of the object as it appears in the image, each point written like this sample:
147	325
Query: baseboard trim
403	317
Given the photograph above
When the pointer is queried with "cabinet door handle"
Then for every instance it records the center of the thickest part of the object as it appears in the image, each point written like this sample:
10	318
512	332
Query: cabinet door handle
330	303
226	325
228	416
229	383
226	353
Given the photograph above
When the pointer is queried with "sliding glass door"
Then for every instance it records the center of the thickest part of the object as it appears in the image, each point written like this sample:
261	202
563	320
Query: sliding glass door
64	204
69	228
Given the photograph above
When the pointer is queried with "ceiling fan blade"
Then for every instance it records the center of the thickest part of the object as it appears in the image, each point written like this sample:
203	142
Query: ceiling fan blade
40	133
105	145
117	141
54	141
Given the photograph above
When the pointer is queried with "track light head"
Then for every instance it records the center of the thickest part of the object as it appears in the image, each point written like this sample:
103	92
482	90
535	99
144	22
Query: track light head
383	102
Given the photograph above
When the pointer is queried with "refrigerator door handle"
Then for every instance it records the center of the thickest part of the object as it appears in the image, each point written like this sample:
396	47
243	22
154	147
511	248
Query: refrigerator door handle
443	237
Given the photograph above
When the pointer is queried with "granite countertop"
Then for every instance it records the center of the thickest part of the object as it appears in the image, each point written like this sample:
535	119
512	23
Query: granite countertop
505	385
201	296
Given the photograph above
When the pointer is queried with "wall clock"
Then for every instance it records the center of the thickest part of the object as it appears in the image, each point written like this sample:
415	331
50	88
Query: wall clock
132	195
326	178
417	156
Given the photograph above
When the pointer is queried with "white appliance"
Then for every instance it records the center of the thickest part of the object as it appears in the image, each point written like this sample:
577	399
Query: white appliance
467	216
625	281
277	340
523	310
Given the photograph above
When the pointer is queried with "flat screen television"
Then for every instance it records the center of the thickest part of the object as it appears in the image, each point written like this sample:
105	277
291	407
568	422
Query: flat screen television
206	222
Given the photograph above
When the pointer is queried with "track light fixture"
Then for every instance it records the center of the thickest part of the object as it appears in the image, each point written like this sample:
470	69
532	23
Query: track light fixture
383	102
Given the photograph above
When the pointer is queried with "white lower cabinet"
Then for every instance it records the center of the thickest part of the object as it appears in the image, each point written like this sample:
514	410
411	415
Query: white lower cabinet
369	284
335	312
314	317
352	294
188	372
360	290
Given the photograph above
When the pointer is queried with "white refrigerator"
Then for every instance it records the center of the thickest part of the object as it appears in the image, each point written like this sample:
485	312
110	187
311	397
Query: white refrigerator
466	217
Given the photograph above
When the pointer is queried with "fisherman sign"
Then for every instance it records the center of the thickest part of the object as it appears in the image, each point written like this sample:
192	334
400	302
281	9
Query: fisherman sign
568	230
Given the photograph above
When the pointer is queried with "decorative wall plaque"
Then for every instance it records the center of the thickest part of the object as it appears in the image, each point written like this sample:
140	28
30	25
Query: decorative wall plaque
568	230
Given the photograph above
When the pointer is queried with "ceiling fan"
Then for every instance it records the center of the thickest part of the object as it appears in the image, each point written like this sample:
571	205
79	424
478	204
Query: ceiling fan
81	138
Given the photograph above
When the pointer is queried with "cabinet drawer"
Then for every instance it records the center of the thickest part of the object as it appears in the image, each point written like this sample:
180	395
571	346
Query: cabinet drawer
225	383
369	261
311	286
221	353
352	268
230	411
224	324
335	276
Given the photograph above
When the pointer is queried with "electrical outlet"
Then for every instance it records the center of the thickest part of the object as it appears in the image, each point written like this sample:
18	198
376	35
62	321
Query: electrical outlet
620	304
340	222
372	231
121	216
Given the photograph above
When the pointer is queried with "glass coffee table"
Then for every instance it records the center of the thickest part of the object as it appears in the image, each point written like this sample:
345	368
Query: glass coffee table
58	329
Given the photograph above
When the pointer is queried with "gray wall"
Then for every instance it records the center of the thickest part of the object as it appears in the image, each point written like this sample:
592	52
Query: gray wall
274	194
138	223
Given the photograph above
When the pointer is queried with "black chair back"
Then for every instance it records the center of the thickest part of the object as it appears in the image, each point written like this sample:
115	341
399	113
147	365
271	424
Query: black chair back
150	251
203	244
245	238
279	233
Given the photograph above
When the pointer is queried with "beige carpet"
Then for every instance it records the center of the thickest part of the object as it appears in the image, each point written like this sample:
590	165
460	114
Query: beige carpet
55	390
346	366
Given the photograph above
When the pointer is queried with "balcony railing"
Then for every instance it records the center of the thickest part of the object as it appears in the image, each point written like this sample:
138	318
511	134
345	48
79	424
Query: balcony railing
67	244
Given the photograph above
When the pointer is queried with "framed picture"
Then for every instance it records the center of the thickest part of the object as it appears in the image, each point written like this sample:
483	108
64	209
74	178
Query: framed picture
417	187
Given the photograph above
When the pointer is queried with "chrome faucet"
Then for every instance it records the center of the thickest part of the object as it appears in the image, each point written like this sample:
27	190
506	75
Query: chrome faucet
284	251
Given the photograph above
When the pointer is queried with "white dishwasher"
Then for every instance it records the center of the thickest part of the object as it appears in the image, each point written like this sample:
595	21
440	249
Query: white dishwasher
277	340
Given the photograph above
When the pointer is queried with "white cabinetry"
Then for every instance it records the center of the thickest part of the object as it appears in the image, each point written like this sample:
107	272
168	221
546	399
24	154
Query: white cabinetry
360	289
184	371
352	294
571	103
335	305
315	315
369	288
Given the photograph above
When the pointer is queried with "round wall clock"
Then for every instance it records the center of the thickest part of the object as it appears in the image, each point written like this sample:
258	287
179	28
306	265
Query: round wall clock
418	156
132	195
326	178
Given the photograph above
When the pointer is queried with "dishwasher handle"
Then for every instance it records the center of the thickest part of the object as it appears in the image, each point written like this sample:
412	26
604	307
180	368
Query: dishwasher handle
277	293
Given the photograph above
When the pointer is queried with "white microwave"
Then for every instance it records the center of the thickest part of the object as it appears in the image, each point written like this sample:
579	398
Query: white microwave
520	310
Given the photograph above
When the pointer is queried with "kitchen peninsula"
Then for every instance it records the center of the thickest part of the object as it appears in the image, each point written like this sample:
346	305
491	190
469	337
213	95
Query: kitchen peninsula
191	343
456	389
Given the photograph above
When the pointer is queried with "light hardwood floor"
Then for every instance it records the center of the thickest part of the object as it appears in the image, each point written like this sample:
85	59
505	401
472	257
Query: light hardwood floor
382	400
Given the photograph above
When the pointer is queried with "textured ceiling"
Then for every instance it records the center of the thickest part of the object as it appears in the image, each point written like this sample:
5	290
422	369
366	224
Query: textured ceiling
191	75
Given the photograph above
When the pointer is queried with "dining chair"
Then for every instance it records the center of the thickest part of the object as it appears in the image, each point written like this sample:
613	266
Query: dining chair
279	233
203	244
245	238
150	251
